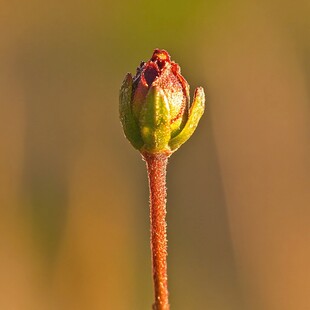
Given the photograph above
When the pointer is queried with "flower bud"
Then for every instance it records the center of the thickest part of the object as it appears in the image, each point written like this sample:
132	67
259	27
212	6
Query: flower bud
155	108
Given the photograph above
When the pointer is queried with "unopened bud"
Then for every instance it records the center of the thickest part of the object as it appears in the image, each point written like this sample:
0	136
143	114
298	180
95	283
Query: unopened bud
155	108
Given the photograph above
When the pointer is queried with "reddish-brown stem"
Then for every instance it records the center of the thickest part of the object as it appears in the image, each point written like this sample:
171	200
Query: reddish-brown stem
156	167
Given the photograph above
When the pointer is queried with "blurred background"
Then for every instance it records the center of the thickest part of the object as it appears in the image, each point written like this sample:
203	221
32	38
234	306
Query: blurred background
74	223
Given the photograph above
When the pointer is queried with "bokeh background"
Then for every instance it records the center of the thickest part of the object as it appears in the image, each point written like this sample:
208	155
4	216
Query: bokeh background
74	230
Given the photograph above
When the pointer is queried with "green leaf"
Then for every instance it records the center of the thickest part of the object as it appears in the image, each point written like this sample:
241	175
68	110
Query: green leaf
130	126
155	121
195	114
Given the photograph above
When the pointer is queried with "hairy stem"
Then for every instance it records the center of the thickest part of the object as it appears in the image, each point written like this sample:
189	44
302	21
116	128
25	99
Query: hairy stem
156	167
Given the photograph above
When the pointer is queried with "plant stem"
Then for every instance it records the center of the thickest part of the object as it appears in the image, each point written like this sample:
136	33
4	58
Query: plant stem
156	168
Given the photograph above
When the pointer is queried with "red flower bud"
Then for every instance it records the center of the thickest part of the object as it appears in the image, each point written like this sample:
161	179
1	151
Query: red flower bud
160	71
155	108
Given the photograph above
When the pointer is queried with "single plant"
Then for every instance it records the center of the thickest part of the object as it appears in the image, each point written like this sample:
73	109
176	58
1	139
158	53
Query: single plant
157	119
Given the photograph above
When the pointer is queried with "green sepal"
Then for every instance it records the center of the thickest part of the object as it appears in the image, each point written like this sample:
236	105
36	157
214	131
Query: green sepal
195	113
130	125
155	121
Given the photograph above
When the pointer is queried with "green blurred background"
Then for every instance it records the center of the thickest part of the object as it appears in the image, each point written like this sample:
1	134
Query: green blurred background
74	228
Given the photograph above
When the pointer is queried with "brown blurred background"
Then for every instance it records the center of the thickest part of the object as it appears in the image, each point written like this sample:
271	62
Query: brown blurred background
74	230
